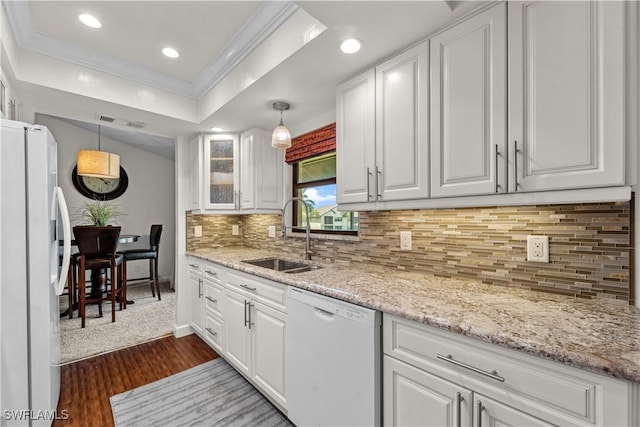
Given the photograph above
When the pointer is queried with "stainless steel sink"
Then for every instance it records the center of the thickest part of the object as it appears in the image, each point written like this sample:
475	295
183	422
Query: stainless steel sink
284	265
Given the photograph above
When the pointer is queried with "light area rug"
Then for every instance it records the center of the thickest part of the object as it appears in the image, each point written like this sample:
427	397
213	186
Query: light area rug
145	320
210	394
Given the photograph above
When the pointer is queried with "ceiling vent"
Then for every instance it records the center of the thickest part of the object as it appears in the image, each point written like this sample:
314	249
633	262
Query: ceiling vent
121	122
106	119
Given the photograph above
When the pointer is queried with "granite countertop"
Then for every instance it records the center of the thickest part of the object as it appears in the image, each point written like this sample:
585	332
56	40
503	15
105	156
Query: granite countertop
597	335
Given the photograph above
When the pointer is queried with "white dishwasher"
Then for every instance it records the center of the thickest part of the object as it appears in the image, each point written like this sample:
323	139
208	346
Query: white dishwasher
333	362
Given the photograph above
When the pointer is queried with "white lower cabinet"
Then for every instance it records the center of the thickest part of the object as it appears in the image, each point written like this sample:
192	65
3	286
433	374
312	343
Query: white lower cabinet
195	293
434	377
256	333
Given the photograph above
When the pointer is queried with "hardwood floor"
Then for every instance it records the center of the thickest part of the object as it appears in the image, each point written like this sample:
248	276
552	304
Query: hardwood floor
87	385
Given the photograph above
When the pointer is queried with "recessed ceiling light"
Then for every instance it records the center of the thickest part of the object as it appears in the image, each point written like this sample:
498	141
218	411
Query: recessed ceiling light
89	20
170	52
216	129
350	45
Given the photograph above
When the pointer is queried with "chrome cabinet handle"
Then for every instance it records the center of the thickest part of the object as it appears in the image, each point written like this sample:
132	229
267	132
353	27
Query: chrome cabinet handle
515	165
246	304
199	288
211	273
459	400
214	333
369	196
480	409
496	168
194	265
247	288
211	299
493	374
378	183
250	322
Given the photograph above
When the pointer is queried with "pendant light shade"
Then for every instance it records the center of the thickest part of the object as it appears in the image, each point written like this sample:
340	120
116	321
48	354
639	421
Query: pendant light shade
99	164
281	137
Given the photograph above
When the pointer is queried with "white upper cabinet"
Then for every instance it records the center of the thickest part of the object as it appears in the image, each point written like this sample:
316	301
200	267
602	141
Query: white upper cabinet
469	106
381	131
355	138
566	94
402	145
236	173
221	172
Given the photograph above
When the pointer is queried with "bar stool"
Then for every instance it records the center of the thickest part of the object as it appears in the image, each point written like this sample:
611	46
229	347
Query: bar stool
97	247
151	254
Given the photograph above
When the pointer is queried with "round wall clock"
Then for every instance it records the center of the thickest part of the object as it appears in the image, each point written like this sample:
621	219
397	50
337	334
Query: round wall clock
100	188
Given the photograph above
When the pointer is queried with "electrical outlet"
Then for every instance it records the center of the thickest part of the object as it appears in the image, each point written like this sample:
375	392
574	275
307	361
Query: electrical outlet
405	240
538	248
197	231
235	230
272	231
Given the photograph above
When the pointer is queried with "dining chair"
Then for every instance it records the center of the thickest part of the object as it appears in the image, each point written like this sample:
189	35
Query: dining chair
151	254
97	248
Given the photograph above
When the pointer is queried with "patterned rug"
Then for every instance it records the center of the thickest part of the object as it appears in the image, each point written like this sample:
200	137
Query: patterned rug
145	320
210	394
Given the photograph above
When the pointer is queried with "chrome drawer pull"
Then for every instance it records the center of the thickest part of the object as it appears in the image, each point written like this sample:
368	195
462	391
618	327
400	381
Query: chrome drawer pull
212	273
215	334
459	400
480	409
211	299
248	288
493	374
194	265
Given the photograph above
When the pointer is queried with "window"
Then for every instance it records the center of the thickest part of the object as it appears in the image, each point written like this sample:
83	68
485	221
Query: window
314	179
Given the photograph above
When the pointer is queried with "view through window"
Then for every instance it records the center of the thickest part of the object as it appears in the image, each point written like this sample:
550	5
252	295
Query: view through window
314	180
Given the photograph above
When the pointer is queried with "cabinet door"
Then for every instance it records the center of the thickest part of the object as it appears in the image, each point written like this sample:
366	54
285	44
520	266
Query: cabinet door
468	106
269	330
221	172
237	334
566	94
195	297
355	139
413	397
488	412
247	168
402	145
269	166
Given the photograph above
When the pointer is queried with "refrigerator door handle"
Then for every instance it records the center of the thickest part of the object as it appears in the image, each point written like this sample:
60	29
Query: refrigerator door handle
66	238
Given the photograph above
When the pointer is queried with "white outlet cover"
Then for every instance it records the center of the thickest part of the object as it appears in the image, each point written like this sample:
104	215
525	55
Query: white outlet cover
405	240
197	231
235	230
538	248
272	231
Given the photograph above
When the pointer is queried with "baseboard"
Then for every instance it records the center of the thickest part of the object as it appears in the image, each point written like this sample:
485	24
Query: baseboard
182	330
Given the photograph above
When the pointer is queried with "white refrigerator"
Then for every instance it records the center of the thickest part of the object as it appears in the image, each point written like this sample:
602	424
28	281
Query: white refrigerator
32	277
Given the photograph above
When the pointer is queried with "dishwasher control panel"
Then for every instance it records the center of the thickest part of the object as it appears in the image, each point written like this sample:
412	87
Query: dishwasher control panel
336	307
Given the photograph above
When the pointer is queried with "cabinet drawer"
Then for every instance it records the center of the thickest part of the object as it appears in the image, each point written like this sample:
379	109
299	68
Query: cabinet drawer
270	293
213	327
213	272
213	297
195	265
508	374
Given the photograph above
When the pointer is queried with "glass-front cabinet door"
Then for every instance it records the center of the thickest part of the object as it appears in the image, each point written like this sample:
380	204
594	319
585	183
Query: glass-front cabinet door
221	169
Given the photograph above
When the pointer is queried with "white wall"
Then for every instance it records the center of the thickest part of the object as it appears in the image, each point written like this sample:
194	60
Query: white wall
148	200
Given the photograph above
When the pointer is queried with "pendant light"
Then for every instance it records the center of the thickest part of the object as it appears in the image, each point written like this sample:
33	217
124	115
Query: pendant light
281	137
99	164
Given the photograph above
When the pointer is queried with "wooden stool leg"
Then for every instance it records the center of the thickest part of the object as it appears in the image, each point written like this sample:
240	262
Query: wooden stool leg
123	294
82	290
156	277
114	287
71	288
153	291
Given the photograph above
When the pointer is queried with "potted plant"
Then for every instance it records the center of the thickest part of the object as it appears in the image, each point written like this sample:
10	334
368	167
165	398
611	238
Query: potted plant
100	213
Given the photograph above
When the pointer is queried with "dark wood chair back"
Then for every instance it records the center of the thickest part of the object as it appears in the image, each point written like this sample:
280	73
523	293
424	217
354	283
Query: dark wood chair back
96	241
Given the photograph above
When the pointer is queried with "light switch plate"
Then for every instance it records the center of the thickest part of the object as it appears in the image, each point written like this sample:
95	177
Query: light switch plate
405	240
272	231
538	248
197	231
235	230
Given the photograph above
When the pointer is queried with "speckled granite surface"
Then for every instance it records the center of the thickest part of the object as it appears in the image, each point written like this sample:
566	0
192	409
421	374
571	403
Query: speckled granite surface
596	335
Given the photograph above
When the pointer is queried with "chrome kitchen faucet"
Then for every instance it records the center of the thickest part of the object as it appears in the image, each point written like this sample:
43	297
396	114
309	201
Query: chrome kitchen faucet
307	247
